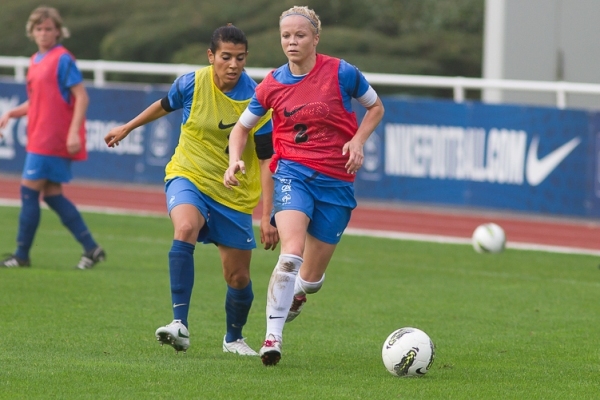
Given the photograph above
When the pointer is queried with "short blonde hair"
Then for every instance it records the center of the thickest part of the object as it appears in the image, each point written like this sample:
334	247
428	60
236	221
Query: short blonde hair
41	14
307	13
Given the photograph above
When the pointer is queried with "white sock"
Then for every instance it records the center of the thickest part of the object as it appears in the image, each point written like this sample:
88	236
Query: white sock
303	287
281	292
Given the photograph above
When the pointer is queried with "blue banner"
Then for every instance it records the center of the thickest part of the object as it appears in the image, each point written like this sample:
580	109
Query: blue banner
437	152
141	158
503	157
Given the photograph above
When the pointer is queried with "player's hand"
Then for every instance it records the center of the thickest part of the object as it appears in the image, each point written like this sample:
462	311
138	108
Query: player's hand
355	158
229	178
73	142
3	121
268	233
115	135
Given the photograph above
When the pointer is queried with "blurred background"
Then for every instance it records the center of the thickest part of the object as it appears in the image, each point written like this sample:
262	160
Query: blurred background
505	115
429	37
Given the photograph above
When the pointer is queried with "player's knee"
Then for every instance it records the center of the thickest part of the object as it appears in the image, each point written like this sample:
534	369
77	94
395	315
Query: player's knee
185	232
238	280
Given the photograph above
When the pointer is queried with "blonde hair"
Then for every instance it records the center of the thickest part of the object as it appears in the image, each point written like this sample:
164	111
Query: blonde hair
41	14
307	13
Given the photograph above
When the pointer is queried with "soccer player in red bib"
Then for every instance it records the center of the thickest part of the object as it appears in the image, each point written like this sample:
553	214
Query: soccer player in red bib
55	109
318	149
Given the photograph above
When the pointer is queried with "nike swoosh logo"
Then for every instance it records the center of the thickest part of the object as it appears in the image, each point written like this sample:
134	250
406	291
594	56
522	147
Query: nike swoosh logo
249	240
179	305
225	126
536	169
294	111
272	317
418	371
182	335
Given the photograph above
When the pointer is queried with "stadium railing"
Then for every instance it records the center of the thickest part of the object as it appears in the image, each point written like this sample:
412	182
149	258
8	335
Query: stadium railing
458	84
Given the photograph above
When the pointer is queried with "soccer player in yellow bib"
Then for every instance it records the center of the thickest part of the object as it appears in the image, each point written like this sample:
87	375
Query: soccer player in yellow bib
200	207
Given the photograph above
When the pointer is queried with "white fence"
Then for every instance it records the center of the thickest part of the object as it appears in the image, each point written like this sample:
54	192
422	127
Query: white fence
458	84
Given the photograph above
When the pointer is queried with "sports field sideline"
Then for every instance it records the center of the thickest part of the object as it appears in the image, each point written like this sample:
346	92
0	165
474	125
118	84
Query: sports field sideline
402	221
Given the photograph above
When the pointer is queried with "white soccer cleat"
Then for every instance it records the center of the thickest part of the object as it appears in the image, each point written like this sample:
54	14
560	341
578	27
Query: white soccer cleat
296	307
270	352
91	258
12	261
175	334
238	347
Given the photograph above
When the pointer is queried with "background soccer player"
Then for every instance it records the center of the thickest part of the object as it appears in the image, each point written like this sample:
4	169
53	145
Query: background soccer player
55	109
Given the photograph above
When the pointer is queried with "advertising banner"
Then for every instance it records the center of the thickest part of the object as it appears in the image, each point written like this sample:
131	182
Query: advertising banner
140	158
492	156
432	152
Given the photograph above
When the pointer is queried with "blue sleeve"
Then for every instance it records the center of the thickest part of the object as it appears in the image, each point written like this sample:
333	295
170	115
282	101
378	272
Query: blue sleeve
353	83
245	89
68	75
181	94
255	107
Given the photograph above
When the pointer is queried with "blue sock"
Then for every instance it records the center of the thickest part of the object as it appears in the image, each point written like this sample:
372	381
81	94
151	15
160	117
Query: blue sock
29	220
237	308
181	270
71	218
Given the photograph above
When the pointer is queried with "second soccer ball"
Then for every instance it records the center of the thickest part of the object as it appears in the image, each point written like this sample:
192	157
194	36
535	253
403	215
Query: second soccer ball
489	238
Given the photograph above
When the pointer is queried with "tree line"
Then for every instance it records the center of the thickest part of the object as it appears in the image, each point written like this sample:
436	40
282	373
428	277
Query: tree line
425	37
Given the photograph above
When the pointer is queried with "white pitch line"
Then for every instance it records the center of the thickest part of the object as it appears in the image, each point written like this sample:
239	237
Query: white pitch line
419	237
94	209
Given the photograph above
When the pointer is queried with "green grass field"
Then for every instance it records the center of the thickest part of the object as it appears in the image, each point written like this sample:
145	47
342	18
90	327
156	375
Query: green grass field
517	325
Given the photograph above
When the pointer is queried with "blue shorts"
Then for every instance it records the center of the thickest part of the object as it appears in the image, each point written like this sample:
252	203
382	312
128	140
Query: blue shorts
223	225
54	169
328	202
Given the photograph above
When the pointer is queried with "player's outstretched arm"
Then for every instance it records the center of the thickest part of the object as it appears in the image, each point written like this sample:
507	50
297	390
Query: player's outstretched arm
118	133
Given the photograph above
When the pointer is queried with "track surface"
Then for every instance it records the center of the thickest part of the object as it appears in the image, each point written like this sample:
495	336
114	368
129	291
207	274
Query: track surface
411	222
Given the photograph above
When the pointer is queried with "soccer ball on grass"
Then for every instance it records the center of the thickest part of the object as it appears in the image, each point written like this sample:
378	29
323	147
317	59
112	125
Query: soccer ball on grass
408	352
489	238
